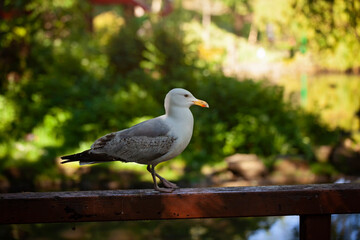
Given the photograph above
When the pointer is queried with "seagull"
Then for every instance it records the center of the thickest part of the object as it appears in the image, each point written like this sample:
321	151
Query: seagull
150	142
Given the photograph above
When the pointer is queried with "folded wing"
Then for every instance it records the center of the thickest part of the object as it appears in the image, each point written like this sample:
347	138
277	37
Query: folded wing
141	143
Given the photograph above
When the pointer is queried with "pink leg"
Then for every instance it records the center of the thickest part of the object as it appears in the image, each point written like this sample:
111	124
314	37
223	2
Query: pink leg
151	169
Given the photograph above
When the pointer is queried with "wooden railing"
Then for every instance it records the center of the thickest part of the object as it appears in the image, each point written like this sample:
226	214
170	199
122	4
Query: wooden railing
313	203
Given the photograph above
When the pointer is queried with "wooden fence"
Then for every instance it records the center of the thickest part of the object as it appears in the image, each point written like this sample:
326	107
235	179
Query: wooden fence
313	203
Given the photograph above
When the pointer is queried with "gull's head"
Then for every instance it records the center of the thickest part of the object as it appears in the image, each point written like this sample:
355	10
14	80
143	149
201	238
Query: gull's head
182	98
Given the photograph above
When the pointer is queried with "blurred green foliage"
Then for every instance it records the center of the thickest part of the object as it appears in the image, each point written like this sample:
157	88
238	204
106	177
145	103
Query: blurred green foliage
331	28
67	88
334	96
230	228
120	49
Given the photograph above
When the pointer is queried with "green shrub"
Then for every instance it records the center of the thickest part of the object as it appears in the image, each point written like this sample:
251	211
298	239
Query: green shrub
73	93
125	50
251	117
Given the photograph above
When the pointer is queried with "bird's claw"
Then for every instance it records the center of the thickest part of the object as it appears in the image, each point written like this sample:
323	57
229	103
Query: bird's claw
164	190
168	184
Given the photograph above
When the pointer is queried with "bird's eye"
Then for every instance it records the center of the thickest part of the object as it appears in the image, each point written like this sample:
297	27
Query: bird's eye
186	95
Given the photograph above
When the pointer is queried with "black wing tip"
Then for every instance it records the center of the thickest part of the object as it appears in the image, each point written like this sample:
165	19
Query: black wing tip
67	161
74	157
69	158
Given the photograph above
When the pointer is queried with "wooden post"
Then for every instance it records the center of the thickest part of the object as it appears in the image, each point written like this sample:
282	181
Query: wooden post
315	227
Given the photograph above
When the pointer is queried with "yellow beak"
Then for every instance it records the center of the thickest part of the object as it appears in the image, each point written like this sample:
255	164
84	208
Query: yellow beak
201	103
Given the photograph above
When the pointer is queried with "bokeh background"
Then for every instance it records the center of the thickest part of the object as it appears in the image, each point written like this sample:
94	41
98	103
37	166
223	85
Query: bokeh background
281	78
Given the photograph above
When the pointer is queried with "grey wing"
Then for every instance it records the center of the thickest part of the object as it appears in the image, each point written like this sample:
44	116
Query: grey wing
142	143
151	128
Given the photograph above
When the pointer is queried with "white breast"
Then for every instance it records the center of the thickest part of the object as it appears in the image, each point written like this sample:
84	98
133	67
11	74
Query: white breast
181	126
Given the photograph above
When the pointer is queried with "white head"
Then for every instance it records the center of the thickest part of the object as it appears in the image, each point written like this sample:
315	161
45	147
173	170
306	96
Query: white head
179	97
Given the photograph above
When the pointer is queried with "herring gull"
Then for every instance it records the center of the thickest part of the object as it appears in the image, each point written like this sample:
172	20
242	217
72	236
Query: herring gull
150	142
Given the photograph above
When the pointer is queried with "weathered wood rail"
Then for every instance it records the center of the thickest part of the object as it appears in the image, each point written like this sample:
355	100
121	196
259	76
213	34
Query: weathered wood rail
313	203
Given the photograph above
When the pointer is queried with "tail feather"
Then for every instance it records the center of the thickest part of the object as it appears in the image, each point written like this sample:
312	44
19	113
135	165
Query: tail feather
77	157
86	157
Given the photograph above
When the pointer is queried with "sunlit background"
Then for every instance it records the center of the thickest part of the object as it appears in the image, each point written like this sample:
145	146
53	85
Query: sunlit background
281	78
